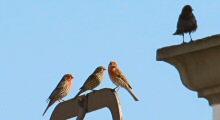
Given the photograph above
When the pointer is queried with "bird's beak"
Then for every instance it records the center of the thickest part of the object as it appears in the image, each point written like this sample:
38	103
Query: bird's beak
112	65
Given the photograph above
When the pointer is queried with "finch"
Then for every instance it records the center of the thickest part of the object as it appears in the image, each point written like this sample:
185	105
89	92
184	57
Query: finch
186	23
119	79
61	90
92	81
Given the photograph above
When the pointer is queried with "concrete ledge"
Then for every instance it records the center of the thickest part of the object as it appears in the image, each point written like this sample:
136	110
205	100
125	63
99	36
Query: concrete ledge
204	43
198	64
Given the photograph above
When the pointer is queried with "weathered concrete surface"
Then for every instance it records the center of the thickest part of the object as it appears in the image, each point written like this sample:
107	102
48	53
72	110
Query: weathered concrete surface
198	64
216	109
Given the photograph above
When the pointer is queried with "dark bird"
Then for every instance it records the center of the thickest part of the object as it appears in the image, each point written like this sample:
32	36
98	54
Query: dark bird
93	80
186	23
61	90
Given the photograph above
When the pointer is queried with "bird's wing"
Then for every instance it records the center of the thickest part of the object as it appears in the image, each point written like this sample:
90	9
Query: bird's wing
90	80
194	19
59	87
181	24
185	22
120	75
194	22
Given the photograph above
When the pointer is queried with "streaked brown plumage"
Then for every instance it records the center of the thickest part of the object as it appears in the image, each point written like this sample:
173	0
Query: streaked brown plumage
61	90
93	80
119	79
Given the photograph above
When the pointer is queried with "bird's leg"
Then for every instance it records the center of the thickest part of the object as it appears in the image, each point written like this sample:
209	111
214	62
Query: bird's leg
183	38
114	88
190	36
118	89
59	100
62	100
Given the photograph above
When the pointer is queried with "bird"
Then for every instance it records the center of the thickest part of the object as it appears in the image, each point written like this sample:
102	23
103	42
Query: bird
119	79
92	81
187	22
61	90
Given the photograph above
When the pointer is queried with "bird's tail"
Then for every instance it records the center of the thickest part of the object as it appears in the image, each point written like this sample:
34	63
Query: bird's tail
177	32
81	91
132	94
50	103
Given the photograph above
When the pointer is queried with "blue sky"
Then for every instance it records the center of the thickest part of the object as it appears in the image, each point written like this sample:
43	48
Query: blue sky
43	40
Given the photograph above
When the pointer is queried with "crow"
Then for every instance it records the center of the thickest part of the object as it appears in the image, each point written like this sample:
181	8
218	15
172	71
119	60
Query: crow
186	23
